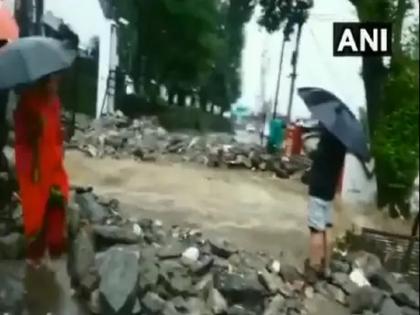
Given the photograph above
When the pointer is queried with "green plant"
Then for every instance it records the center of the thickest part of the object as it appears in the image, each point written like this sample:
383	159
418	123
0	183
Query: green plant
395	141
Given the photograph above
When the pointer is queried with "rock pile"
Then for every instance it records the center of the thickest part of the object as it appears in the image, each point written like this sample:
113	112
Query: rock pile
138	267
119	137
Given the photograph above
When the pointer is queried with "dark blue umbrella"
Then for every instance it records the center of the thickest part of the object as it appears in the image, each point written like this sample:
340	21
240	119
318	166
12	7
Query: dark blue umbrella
337	118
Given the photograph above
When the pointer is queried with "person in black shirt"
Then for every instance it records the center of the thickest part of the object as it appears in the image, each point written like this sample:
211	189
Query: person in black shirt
328	162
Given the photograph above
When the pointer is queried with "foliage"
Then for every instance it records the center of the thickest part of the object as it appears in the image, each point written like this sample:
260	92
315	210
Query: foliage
392	102
395	144
223	87
186	46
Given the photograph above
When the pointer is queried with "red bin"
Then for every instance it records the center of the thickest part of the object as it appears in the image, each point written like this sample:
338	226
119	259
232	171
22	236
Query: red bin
293	143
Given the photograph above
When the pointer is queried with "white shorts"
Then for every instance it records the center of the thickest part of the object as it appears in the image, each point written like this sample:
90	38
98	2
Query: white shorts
320	214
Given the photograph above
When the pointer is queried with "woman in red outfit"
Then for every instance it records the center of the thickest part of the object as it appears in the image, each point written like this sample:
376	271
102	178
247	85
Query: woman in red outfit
43	181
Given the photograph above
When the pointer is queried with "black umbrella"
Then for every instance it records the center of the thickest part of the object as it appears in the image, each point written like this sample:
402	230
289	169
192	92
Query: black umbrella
337	118
30	58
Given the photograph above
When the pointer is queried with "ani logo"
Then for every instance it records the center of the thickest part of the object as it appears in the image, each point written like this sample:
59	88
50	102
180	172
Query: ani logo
362	39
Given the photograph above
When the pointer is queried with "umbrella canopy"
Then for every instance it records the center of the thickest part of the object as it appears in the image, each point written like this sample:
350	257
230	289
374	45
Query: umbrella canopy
9	29
337	118
31	58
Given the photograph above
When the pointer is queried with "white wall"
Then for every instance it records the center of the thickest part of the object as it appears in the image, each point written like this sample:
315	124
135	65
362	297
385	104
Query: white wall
87	20
108	61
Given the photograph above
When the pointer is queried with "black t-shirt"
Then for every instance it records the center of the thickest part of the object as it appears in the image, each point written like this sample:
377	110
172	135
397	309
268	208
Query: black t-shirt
327	166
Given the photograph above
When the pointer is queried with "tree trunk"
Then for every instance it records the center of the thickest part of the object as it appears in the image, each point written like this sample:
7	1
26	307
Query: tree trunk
203	102
402	7
374	76
171	97
181	98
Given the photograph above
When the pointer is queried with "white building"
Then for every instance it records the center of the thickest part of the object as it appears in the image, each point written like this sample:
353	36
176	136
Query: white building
99	13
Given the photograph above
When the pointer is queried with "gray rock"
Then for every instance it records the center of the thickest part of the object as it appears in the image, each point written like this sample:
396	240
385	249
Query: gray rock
81	261
180	304
109	235
340	266
405	295
153	303
175	278
196	306
409	311
90	209
204	287
342	280
239	310
220	264
137	310
217	302
73	218
222	248
293	305
290	273
390	308
12	289
275	306
203	265
369	263
385	281
119	278
148	275
271	282
12	246
170	309
171	250
336	294
365	298
239	287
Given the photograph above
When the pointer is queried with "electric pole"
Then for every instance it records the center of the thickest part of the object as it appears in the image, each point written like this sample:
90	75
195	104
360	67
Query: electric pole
295	57
299	16
276	98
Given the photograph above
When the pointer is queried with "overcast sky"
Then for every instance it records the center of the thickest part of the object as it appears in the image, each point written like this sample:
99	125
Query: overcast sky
316	67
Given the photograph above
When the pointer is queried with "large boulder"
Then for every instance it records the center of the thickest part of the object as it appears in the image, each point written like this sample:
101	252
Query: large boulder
108	235
90	209
239	287
118	288
81	261
366	299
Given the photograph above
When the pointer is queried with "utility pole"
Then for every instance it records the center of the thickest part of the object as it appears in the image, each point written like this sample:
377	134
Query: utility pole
299	15
295	57
276	98
288	30
263	82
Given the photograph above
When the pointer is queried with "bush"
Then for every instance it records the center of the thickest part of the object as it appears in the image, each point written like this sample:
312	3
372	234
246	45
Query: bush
395	142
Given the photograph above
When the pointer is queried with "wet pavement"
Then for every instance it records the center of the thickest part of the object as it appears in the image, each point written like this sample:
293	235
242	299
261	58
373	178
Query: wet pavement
50	293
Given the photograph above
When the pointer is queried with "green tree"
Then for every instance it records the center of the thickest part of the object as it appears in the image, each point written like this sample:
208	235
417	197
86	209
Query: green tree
392	103
223	86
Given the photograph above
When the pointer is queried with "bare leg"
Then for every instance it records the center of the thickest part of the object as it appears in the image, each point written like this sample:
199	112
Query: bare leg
316	249
327	249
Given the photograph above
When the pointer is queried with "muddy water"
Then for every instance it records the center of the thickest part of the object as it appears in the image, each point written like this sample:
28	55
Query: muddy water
252	209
